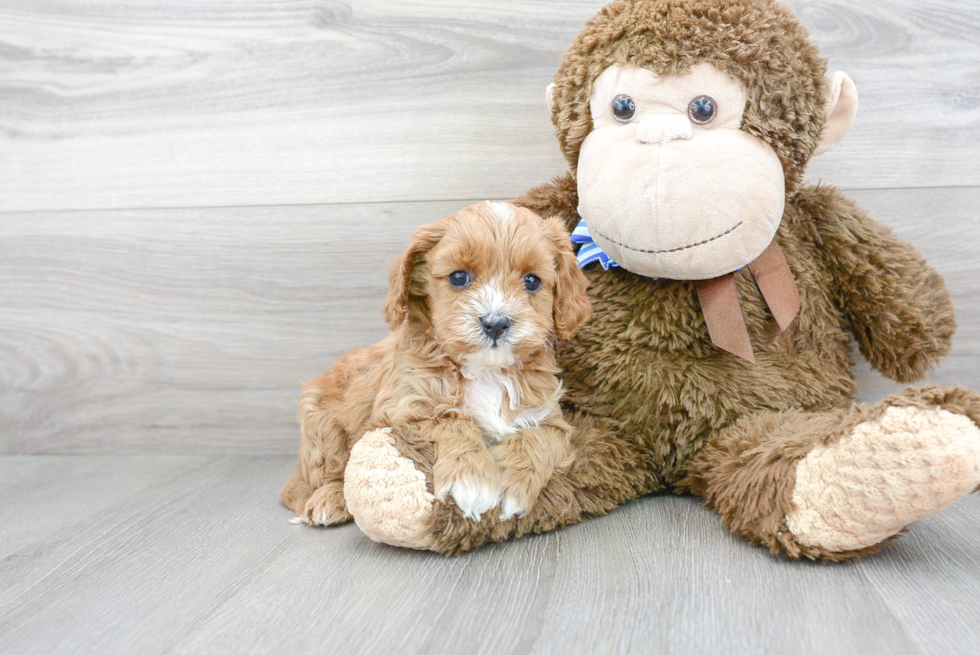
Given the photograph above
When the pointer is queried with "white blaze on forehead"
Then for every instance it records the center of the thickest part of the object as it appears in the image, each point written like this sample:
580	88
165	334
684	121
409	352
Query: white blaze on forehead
502	210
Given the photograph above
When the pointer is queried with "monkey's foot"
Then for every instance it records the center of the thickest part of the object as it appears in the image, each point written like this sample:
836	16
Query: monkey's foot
387	494
907	463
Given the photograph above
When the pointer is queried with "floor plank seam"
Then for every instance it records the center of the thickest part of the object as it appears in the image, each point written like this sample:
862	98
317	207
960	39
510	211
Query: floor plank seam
369	203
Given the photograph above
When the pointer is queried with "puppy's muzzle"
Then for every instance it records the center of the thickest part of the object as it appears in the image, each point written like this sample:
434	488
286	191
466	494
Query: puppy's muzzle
495	327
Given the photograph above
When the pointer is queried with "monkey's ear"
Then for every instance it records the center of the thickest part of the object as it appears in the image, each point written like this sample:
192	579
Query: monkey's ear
406	269
549	95
841	105
571	304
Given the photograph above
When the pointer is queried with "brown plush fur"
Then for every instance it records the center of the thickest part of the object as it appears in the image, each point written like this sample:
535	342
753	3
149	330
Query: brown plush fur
414	380
654	405
747	473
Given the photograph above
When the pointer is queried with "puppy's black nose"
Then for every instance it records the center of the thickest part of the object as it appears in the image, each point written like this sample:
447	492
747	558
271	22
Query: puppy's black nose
495	326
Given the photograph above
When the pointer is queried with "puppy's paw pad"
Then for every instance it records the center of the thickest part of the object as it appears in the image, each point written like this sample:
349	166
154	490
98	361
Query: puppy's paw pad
475	499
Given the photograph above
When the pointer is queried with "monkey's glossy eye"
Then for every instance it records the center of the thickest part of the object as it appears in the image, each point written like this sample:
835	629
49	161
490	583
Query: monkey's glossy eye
459	279
623	108
532	282
702	110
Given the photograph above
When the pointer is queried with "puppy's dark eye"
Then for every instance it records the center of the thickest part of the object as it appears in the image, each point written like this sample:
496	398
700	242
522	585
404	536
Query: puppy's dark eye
532	283
702	110
459	279
623	108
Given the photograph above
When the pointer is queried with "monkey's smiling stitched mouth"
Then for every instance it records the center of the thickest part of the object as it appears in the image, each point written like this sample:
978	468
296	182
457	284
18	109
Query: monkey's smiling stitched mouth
663	252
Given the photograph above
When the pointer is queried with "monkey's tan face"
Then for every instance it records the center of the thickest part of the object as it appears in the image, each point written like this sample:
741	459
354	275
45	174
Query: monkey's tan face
668	183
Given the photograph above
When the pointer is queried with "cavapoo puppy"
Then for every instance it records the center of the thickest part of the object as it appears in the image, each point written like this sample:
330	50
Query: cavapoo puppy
475	305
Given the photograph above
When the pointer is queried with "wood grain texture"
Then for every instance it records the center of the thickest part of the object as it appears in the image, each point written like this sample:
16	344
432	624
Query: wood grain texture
195	555
190	331
196	326
118	104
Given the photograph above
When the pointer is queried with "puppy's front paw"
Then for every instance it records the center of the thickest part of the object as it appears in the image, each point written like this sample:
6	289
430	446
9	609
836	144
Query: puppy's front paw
475	498
521	490
325	507
510	507
474	485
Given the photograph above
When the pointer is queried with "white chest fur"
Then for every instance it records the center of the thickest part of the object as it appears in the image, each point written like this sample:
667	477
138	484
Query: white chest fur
493	401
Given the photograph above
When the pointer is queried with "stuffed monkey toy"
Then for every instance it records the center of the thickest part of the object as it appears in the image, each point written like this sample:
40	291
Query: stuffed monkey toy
725	294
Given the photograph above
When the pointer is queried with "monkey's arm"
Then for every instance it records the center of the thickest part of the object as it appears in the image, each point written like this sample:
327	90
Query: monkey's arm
897	305
556	198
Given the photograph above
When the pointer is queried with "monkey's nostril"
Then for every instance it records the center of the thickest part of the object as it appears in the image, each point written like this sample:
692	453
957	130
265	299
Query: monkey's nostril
495	326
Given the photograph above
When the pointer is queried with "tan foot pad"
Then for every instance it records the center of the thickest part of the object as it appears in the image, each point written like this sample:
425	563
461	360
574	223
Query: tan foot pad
905	465
387	494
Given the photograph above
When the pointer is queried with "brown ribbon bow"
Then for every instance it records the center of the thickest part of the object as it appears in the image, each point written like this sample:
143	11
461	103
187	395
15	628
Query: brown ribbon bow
723	311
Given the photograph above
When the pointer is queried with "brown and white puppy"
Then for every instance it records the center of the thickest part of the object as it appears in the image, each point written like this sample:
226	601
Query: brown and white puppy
475	304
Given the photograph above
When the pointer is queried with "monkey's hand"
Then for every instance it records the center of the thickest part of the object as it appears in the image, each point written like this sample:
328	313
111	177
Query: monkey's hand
897	305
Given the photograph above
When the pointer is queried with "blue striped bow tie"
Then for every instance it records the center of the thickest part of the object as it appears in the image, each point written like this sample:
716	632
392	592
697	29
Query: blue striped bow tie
589	251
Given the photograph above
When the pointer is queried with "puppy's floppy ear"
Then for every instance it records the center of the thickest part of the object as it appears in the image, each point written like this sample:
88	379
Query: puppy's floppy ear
571	307
406	270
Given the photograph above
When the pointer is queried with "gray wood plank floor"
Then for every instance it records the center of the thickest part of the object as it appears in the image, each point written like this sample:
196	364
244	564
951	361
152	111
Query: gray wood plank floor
188	554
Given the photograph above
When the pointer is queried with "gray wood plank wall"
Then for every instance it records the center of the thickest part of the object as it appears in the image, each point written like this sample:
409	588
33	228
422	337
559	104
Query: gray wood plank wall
198	198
